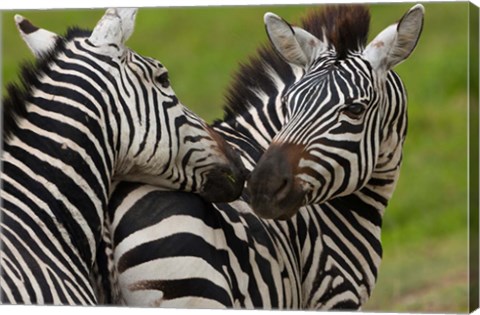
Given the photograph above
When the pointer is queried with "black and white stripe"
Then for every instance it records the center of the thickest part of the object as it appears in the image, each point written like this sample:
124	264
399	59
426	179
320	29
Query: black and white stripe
323	135
88	112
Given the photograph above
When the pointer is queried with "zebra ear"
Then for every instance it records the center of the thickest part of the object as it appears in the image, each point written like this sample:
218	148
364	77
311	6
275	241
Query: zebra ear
294	44
115	27
39	40
394	44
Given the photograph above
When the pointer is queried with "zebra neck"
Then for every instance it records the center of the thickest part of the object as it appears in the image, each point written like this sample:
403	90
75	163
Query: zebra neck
55	164
342	249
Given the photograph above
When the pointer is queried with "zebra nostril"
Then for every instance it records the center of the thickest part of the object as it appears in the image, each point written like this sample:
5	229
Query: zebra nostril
283	188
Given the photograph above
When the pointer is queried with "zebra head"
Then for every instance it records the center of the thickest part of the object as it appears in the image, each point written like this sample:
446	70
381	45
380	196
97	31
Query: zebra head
155	138
346	116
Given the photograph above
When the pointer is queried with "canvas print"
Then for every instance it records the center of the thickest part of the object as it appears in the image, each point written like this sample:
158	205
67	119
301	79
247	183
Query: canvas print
299	157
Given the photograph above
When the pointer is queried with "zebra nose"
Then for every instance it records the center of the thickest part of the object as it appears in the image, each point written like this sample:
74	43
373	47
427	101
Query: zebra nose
274	192
224	183
226	180
273	178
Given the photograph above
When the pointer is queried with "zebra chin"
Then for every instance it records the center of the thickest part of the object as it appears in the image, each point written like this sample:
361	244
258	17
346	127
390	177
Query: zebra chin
272	207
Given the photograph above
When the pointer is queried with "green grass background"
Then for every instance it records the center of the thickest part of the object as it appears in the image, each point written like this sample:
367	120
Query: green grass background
425	265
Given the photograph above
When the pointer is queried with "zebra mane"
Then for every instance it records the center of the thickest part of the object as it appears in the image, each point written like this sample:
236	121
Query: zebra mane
14	103
344	26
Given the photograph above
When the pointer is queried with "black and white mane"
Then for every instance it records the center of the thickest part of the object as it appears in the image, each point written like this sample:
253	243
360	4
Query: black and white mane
345	27
14	103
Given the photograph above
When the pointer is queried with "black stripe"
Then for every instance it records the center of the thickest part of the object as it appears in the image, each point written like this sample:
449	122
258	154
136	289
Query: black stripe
191	287
155	207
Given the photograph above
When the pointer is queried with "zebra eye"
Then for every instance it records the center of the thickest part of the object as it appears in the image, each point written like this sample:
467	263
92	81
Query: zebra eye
163	80
354	110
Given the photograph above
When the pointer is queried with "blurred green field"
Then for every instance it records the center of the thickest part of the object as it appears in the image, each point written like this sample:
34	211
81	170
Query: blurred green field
425	265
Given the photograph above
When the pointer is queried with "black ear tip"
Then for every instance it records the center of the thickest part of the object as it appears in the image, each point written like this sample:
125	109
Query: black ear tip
25	26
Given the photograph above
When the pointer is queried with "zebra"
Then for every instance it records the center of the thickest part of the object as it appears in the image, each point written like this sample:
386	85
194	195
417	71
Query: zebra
88	112
320	120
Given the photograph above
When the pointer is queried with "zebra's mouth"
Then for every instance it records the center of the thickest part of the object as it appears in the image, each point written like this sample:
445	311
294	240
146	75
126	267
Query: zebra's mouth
277	207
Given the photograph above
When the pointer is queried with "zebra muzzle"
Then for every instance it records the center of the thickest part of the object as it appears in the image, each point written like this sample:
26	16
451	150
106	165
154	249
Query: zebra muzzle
224	183
275	192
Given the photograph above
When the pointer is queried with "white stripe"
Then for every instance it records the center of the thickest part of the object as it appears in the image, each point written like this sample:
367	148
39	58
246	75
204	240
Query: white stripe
259	138
191	303
344	296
